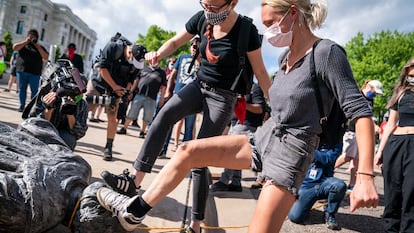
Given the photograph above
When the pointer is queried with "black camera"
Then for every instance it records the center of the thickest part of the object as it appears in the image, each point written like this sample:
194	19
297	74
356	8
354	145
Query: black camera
33	41
66	81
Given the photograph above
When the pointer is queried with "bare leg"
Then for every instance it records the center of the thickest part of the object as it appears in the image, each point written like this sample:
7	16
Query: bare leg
353	168
233	152
341	160
98	111
127	122
112	123
178	127
271	210
144	126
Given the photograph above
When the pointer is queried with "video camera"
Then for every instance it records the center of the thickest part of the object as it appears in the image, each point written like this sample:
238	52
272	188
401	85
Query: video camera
64	79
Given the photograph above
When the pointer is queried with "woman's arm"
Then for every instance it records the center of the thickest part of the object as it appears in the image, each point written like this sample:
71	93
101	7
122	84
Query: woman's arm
168	47
364	193
389	128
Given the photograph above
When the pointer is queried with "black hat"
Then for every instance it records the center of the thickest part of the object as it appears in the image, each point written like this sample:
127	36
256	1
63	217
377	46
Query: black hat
138	51
72	45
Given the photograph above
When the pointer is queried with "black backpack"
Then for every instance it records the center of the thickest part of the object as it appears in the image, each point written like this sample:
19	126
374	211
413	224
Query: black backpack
244	80
334	122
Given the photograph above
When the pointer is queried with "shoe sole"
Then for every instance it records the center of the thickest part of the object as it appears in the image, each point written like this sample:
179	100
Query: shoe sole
103	204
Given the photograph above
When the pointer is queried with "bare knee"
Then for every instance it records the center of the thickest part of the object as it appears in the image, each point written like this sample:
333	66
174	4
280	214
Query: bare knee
184	152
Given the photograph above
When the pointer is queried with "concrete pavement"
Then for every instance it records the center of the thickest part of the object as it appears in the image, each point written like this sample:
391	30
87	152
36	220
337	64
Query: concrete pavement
226	211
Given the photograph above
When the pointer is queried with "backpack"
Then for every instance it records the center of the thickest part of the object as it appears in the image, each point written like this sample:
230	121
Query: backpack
333	123
244	80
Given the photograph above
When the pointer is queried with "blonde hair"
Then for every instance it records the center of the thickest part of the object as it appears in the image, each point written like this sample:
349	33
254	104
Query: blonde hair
314	14
402	84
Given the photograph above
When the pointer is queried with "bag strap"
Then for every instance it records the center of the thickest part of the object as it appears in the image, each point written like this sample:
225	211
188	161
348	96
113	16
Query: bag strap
242	45
201	27
193	61
315	82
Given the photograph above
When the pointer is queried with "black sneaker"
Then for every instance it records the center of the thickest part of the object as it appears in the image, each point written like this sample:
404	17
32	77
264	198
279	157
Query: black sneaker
7	90
20	109
94	120
162	154
107	154
331	223
235	188
135	124
123	183
121	131
219	187
141	134
188	229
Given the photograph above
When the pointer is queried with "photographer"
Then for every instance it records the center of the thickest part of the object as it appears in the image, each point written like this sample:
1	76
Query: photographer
118	64
70	122
29	65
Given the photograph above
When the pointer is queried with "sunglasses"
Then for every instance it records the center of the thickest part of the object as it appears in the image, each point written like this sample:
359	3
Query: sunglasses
212	8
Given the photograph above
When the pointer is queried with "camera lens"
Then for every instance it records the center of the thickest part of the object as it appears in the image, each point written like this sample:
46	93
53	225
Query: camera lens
34	40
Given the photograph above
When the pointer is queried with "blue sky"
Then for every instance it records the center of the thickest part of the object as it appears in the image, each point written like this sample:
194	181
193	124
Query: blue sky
345	18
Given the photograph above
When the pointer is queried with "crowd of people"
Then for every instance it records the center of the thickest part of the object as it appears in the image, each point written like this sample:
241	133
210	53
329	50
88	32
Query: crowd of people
295	167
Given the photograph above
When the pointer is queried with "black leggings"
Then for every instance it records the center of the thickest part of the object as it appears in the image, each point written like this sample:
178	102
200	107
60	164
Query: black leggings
398	170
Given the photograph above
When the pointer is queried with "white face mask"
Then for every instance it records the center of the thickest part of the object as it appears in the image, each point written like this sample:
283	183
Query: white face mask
410	80
276	37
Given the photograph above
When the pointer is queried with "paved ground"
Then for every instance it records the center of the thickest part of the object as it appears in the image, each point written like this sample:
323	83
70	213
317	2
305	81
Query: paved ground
230	211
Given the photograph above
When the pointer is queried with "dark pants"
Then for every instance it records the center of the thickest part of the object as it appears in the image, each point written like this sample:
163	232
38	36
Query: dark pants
398	170
217	106
331	188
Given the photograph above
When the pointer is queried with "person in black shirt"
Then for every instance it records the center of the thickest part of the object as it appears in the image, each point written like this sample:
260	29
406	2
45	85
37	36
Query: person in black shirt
150	81
211	93
75	58
118	64
29	65
395	155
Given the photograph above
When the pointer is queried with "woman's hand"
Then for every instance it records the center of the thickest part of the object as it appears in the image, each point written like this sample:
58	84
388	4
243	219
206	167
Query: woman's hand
152	58
364	193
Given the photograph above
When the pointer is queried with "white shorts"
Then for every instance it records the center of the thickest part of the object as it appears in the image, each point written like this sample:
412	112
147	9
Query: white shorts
350	147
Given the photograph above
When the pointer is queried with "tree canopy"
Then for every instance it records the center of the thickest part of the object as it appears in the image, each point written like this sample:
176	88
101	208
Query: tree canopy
156	37
380	56
8	40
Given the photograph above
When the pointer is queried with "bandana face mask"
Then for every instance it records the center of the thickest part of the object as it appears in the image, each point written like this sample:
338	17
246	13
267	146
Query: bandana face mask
216	18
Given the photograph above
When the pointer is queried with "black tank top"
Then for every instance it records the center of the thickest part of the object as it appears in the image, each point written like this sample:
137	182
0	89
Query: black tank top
405	108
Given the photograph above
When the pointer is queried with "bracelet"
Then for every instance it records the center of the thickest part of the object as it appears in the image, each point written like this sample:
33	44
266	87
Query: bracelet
366	173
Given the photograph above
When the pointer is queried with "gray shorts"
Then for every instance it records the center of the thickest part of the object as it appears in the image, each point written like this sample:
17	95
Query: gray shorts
282	158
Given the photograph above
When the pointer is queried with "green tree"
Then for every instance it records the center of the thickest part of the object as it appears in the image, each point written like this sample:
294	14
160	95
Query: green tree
380	56
57	53
9	45
156	37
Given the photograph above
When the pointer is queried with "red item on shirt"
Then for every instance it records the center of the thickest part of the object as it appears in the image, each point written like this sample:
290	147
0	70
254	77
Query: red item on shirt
240	109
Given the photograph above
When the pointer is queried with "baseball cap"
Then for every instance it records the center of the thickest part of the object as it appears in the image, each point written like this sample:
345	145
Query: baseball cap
138	51
196	38
377	85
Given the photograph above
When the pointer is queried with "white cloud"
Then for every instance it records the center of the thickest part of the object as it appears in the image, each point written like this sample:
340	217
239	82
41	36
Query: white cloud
345	18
